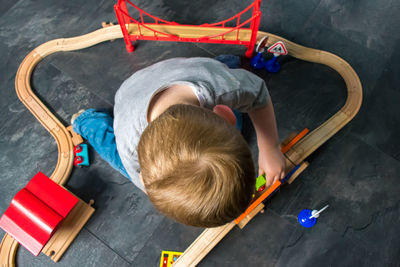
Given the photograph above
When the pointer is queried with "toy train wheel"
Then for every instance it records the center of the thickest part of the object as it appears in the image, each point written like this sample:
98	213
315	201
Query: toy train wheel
77	161
261	188
77	149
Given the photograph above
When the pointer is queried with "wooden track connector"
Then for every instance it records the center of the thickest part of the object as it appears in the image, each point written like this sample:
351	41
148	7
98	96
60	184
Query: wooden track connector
106	24
76	138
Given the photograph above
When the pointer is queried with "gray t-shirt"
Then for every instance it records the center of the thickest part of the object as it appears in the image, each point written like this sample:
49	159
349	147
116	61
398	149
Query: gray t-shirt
212	82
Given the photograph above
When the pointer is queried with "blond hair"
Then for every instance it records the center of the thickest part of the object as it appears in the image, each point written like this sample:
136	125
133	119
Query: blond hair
196	167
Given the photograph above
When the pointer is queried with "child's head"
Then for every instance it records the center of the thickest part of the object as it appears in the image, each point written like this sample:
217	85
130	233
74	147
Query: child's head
196	167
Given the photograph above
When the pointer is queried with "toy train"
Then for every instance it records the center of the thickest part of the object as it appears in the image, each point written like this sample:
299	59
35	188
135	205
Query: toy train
81	155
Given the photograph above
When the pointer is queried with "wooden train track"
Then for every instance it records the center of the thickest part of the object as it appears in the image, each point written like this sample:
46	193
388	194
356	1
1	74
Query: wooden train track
209	238
63	137
65	140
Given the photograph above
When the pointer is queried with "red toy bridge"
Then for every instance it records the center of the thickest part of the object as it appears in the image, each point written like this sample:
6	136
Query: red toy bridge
149	27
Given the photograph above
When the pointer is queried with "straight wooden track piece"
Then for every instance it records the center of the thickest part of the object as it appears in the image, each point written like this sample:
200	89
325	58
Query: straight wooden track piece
211	237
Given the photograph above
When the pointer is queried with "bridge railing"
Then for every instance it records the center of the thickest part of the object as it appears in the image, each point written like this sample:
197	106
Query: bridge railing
148	27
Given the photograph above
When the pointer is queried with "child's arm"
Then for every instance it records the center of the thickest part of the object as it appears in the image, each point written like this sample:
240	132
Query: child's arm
270	158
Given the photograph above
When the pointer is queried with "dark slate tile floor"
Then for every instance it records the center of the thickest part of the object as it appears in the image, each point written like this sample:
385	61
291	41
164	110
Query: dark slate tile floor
356	172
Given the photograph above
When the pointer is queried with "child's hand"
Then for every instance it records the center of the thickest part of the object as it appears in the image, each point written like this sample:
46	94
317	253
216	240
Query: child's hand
272	163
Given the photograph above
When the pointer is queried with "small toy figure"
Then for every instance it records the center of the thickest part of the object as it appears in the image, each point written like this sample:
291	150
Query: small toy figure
81	155
308	218
258	62
277	49
260	183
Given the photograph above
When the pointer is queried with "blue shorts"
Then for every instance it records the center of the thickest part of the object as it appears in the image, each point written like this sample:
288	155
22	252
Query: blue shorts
96	126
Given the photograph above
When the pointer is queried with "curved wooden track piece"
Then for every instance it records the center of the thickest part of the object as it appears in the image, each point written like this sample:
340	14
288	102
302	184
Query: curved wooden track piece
210	237
301	150
60	133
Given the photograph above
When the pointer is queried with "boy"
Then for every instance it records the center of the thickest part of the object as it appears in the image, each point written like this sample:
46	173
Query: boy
194	166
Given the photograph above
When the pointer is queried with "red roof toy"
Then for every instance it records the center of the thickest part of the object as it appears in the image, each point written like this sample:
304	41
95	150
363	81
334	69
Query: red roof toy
36	211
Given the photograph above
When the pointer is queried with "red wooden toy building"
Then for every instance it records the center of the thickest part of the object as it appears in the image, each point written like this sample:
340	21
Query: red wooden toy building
36	211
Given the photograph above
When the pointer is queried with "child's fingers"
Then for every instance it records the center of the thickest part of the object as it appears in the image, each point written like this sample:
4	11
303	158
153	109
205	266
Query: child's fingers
269	180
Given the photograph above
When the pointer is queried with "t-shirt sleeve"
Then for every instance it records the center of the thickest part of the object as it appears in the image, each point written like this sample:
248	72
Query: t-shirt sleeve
251	94
237	88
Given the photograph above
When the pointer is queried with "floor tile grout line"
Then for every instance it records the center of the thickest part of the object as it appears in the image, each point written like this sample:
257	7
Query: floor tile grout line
90	90
204	49
105	244
148	239
309	17
372	146
344	37
286	246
